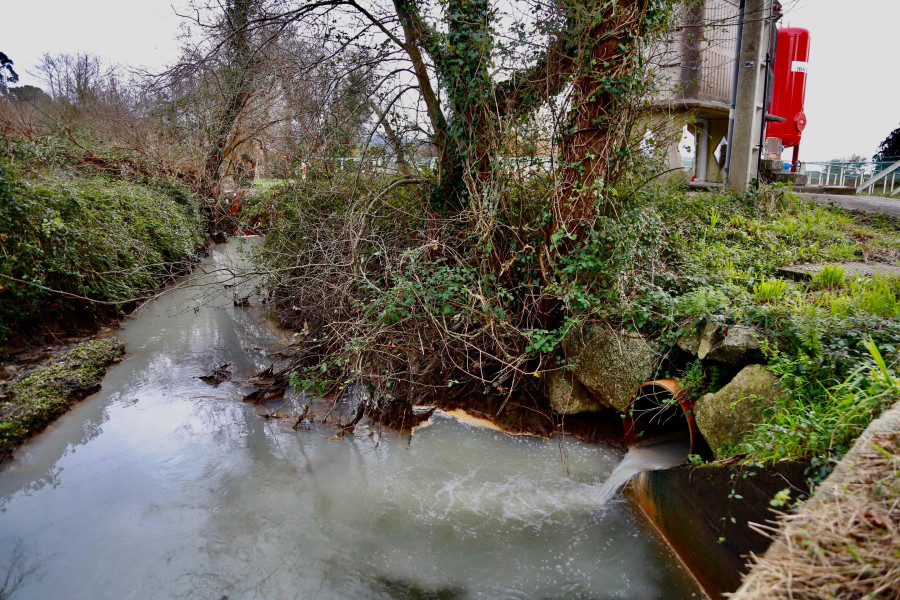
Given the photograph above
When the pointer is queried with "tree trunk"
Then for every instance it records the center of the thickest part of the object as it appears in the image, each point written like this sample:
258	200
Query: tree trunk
607	32
393	137
464	69
210	184
237	88
464	142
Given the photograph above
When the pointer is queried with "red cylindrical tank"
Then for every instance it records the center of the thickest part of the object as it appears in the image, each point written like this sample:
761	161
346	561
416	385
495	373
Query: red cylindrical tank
789	85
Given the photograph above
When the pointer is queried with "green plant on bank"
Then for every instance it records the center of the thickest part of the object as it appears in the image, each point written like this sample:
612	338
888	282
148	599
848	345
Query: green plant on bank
694	460
830	276
878	295
781	498
815	420
460	295
820	331
698	379
713	217
68	233
769	290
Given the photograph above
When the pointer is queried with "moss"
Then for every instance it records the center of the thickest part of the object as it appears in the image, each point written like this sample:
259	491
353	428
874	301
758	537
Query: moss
52	388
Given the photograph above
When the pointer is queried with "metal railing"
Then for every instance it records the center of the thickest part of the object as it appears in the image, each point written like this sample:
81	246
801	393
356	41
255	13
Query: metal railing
867	177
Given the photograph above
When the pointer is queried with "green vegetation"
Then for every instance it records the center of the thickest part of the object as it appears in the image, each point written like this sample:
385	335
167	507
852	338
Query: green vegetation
73	238
831	276
51	388
768	290
387	296
823	422
832	340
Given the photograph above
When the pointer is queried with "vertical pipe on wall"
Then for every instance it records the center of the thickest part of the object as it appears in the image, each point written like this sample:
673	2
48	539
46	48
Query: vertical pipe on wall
702	149
763	123
734	85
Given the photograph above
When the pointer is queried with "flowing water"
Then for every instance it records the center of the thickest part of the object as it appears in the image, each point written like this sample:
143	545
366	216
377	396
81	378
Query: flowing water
651	456
161	486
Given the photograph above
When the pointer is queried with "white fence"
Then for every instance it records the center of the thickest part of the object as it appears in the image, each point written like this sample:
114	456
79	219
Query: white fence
859	175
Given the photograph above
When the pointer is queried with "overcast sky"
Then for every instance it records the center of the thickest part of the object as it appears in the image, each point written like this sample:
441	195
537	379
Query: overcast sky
853	90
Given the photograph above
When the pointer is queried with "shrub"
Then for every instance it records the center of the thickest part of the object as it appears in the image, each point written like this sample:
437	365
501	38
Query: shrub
70	239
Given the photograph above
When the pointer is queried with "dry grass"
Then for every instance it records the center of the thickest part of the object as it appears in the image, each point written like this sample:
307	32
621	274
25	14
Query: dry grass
844	542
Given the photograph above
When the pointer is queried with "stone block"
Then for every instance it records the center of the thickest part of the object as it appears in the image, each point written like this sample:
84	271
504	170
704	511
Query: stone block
568	396
610	363
739	346
735	409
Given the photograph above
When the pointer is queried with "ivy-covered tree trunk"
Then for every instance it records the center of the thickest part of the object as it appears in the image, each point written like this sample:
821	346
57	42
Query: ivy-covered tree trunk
237	89
595	49
463	70
605	54
464	138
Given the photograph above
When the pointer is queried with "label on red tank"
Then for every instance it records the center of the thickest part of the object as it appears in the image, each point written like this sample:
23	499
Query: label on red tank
800	121
799	66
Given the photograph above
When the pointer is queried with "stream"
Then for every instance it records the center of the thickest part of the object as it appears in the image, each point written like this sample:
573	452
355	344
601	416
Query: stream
163	486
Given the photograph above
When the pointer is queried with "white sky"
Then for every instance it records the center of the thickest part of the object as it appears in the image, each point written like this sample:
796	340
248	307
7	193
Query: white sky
127	32
852	97
853	87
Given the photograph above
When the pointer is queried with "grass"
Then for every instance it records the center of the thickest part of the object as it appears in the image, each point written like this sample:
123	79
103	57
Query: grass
823	335
826	423
52	388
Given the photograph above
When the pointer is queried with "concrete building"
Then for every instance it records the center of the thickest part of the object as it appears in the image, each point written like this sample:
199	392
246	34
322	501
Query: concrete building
697	62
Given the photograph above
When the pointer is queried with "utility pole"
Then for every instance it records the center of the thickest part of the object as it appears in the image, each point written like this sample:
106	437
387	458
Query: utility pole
748	101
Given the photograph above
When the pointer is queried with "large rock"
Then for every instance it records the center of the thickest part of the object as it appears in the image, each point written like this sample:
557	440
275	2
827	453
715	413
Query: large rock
701	340
735	409
740	346
610	363
568	396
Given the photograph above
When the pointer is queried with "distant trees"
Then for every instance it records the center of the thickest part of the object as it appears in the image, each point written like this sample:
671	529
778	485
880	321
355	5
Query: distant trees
252	90
7	73
83	100
239	80
889	150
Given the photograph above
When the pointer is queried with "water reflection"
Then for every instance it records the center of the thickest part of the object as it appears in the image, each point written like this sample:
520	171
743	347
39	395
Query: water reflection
162	486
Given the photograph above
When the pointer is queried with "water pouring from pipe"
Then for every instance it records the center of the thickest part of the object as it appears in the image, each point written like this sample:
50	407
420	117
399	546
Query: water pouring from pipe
653	455
661	432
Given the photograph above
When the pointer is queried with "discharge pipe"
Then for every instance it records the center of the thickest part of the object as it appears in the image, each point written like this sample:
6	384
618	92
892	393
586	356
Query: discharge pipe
661	408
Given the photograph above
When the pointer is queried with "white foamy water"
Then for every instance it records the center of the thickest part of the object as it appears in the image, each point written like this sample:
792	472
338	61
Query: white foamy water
652	456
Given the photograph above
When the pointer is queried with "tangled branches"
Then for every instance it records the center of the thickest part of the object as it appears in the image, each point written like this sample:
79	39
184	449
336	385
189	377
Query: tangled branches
416	307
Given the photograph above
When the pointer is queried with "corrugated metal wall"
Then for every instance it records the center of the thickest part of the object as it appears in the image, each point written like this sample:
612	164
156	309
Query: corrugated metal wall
697	58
